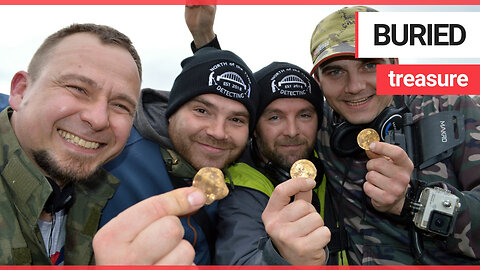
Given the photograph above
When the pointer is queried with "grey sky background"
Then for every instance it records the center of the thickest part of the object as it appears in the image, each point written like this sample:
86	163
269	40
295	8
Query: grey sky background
258	34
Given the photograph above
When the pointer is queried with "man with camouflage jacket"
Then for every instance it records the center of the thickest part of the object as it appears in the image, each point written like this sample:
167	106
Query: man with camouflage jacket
69	114
371	186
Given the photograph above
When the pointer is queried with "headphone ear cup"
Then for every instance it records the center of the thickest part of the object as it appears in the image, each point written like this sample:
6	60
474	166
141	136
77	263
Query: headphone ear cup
390	118
344	136
344	139
276	174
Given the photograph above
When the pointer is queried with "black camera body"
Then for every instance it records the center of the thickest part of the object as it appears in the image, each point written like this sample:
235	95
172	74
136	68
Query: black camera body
434	209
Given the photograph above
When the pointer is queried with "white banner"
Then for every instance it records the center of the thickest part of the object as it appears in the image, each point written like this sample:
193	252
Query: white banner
418	35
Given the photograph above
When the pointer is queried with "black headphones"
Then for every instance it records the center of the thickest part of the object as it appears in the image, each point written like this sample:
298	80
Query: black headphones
60	198
344	136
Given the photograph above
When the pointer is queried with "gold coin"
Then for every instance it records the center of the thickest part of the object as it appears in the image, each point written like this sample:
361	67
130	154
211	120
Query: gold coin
212	182
303	168
366	137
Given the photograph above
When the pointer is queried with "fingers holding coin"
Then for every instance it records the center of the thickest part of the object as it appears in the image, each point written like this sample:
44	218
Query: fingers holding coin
366	137
303	168
211	181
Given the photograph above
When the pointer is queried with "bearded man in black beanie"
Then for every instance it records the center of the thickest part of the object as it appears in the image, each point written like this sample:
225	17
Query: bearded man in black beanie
210	112
286	233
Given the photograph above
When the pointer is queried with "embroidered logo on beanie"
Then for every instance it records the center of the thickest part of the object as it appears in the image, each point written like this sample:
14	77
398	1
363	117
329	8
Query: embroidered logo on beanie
230	80
213	71
285	80
290	82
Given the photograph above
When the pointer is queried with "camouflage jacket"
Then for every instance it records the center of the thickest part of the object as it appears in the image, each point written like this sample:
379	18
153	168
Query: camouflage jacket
379	238
24	191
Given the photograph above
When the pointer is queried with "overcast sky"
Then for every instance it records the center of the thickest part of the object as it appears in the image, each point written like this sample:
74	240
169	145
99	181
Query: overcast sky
258	34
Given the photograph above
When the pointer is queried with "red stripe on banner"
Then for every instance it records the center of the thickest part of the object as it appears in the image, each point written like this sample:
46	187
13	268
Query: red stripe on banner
237	2
217	267
428	79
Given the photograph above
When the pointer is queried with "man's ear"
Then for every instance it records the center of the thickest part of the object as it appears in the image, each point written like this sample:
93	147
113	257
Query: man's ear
315	76
17	89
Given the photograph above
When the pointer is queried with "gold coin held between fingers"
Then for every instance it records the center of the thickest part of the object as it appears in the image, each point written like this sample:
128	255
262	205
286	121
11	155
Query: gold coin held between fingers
366	137
303	168
211	181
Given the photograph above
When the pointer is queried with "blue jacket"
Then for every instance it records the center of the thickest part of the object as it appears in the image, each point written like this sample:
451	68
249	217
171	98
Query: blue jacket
142	174
3	101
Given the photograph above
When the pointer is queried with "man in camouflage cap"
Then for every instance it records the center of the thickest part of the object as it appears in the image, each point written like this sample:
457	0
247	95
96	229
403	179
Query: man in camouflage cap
371	189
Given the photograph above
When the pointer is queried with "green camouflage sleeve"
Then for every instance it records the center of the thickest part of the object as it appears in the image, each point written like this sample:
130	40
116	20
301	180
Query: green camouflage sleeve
462	174
466	159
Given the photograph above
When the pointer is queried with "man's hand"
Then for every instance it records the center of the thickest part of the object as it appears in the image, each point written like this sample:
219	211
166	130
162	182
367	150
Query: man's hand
200	21
150	231
296	229
389	171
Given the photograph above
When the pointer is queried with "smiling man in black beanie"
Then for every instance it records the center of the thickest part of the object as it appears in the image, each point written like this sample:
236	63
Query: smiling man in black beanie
286	233
208	114
212	71
211	108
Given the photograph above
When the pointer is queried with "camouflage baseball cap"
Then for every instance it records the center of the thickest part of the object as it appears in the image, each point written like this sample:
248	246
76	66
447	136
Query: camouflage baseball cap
335	35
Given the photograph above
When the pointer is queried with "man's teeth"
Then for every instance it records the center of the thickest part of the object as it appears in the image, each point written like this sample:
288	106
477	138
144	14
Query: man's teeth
357	102
78	141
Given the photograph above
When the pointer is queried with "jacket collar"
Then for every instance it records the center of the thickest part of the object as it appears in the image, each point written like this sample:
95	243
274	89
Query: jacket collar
29	188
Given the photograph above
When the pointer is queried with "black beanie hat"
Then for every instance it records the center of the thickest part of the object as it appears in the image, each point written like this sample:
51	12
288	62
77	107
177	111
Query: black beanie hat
214	71
285	80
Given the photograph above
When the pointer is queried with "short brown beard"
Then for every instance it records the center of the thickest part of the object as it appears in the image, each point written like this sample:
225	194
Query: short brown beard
183	150
276	158
63	176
